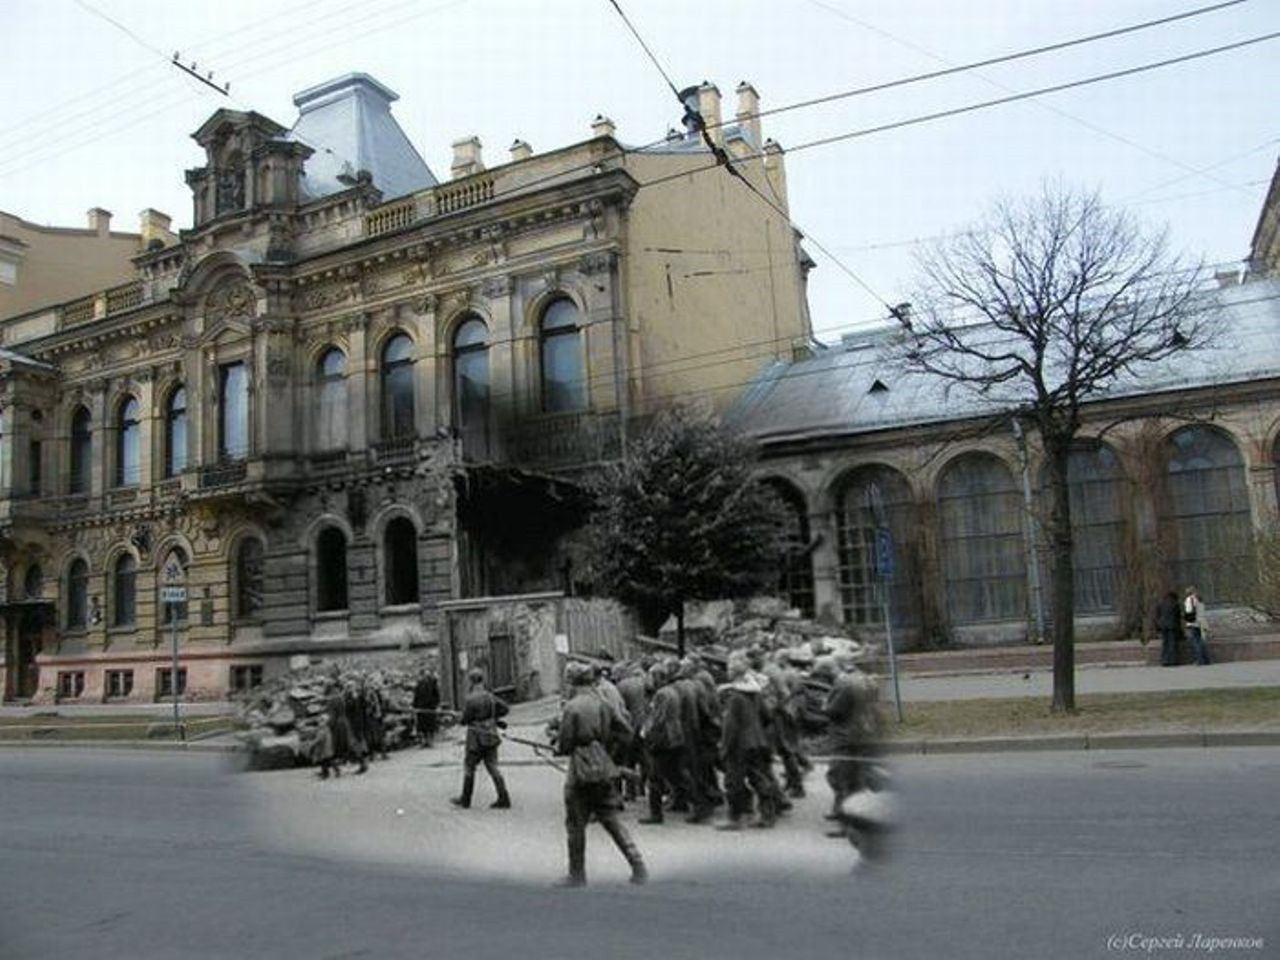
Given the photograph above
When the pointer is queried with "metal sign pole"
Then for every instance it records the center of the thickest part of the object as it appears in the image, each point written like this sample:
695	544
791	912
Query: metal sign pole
173	676
883	556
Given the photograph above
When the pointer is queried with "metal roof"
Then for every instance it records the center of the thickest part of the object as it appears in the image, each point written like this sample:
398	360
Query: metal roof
347	122
836	391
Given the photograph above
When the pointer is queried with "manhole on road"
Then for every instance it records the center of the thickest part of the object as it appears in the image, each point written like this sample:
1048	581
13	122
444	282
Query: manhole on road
1120	764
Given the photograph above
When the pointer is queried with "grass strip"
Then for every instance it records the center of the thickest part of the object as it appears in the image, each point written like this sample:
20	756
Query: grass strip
1252	708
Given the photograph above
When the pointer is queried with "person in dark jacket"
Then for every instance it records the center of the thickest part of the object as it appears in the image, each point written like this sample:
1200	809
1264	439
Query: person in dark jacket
1168	624
745	749
426	704
692	709
481	713
357	716
588	728
375	718
633	687
334	742
855	726
663	736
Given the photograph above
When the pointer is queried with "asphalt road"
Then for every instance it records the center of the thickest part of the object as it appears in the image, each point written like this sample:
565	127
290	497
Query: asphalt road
109	854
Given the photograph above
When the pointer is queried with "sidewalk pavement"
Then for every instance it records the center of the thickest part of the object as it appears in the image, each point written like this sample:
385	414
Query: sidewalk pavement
1089	679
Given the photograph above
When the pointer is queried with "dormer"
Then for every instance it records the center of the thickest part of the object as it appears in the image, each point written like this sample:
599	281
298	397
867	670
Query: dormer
249	165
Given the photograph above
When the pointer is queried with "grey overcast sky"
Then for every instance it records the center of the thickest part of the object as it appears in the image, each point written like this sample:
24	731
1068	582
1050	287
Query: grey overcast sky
91	113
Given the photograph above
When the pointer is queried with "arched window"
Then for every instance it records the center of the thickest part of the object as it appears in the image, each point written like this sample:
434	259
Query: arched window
175	433
33	582
331	570
397	388
984	559
248	579
471	383
81	451
233	411
77	595
872	499
400	561
1097	527
124	592
564	385
331	400
796	582
128	444
171	611
1205	514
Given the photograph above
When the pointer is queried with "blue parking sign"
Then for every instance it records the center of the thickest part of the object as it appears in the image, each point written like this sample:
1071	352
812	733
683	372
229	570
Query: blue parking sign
884	553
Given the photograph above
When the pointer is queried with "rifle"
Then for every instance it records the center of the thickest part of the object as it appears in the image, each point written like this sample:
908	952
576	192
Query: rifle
538	748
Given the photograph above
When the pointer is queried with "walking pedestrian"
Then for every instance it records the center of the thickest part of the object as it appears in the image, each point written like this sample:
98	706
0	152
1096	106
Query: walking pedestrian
354	703
481	713
690	692
1168	625
588	728
663	736
333	745
426	703
855	725
745	749
1193	616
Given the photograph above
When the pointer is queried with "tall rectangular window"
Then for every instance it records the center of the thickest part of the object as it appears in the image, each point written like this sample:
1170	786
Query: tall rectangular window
34	454
233	411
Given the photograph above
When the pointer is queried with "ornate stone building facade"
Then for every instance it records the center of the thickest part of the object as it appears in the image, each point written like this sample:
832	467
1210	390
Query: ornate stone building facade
351	392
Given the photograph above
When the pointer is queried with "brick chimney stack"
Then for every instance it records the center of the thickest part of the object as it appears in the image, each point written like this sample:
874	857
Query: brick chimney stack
748	108
521	151
602	126
154	225
466	157
100	221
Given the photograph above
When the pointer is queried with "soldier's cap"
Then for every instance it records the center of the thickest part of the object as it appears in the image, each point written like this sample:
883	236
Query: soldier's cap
801	656
824	667
577	673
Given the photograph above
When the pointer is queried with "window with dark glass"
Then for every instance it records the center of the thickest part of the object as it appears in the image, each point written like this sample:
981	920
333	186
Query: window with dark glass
128	445
872	499
35	454
331	570
172	611
796	581
175	433
400	552
1094	483
471	375
983	552
1205	516
33	582
164	681
125	608
397	388
248	579
119	683
81	450
564	384
331	401
77	595
233	412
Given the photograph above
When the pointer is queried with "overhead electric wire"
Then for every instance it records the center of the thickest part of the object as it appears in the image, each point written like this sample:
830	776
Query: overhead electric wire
1088	124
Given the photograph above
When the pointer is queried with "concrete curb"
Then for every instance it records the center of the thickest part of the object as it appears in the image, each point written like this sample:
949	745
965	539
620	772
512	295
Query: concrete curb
1047	743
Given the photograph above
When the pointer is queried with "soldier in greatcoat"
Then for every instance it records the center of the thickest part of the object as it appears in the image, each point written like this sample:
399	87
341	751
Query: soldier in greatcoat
663	736
745	749
588	727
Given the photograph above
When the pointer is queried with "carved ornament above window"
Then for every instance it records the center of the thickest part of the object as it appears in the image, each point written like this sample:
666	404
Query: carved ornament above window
231	301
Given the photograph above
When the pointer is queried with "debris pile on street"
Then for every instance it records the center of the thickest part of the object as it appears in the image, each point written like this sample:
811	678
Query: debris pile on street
283	717
714	629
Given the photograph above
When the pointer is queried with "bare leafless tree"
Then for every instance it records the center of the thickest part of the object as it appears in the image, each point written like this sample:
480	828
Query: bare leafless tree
1047	304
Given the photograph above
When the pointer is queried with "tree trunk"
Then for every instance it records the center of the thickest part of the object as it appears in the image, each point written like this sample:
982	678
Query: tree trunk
680	629
1058	450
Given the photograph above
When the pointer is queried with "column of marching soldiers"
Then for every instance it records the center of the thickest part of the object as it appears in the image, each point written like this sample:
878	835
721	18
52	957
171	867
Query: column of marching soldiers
667	733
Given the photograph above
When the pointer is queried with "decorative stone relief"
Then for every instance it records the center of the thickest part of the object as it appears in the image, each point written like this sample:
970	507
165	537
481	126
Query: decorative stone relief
231	301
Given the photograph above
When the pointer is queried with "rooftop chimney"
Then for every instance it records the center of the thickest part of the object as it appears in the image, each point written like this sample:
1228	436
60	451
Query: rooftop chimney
466	157
704	101
602	126
100	221
521	150
154	226
748	110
